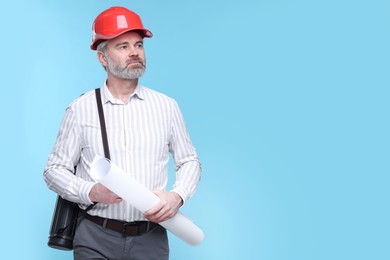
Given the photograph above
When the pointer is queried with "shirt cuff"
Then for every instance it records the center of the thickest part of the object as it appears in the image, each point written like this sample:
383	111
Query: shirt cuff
181	193
84	191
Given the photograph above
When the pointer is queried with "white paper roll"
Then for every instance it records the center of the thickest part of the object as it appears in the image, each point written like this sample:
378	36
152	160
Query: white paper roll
129	189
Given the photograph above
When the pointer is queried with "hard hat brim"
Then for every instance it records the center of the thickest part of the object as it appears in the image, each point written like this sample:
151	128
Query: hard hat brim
98	38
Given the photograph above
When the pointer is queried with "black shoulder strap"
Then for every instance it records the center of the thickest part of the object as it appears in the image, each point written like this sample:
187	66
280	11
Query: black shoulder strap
102	123
104	134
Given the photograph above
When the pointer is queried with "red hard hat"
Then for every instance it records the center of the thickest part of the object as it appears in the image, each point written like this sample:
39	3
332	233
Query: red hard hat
114	22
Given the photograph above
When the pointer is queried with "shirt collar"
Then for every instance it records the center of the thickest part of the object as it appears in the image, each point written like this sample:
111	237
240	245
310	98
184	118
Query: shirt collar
107	96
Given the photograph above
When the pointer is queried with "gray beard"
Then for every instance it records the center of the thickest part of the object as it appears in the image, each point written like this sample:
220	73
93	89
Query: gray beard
124	73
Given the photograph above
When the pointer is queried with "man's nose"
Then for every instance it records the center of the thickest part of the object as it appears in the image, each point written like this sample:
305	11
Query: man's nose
133	52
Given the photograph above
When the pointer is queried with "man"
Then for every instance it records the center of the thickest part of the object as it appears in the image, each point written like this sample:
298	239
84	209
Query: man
143	127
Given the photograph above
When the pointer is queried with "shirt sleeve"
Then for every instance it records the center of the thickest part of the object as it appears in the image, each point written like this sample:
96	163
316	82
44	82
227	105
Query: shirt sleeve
186	161
59	173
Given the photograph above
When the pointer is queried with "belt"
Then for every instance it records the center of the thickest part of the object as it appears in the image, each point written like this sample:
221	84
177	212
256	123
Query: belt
125	228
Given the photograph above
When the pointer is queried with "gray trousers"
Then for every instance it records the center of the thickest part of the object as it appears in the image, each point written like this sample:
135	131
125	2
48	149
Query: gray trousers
92	241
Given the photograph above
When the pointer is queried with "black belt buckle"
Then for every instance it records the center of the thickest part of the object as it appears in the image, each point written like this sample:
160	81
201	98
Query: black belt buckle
131	224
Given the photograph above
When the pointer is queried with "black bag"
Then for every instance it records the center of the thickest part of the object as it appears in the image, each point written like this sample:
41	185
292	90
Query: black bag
66	213
63	224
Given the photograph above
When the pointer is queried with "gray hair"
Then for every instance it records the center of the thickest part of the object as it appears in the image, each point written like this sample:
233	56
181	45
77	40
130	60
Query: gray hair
102	46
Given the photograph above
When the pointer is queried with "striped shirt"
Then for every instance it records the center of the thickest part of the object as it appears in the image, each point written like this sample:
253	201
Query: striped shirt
141	133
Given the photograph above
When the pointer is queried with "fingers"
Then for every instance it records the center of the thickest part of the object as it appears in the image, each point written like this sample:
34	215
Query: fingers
111	198
157	218
101	194
165	209
152	213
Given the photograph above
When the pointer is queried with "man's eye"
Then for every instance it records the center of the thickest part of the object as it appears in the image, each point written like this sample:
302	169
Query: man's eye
140	45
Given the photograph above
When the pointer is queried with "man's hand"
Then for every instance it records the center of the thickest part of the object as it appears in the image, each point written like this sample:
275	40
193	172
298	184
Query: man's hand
101	194
169	205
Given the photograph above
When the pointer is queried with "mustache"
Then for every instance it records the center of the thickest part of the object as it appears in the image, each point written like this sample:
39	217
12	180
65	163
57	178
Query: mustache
134	60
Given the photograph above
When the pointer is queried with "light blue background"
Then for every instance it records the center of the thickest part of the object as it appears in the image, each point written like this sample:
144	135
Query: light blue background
287	103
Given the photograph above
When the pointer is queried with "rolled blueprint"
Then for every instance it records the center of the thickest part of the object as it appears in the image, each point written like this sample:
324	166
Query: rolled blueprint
129	189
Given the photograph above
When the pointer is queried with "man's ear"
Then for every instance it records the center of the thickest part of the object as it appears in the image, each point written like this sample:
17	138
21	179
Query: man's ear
102	58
